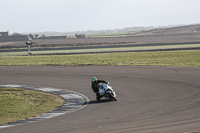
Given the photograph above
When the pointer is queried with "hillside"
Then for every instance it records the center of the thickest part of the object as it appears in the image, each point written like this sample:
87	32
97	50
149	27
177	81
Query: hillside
181	30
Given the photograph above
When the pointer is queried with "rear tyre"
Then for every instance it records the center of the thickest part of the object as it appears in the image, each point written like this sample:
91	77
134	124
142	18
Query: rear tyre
98	97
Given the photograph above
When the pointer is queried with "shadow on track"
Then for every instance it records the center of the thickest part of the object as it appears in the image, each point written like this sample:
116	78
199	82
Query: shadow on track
99	102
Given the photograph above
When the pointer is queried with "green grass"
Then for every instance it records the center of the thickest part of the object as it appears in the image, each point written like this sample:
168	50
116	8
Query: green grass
19	104
168	58
100	49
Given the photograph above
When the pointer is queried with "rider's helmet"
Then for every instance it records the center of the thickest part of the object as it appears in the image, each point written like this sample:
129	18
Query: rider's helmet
94	79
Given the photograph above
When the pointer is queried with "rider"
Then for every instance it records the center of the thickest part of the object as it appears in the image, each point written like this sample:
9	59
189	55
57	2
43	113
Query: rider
95	86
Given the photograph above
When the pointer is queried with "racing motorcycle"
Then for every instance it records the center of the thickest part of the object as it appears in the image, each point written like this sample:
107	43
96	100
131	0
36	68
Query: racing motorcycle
105	90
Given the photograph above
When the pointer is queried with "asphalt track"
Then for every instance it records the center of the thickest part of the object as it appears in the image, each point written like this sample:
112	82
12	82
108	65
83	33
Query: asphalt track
150	99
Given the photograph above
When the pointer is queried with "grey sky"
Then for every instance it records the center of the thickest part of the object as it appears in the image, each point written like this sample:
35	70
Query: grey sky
72	15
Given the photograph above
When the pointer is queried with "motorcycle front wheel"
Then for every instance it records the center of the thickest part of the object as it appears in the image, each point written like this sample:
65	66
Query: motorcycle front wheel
112	97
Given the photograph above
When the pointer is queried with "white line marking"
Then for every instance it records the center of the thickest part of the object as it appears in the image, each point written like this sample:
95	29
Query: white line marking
48	89
69	96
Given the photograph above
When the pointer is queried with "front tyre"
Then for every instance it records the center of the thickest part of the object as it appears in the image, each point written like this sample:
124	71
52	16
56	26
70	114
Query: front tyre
112	97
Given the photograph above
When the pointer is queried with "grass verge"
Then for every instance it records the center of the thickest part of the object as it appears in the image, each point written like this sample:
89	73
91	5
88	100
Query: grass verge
53	51
168	58
19	104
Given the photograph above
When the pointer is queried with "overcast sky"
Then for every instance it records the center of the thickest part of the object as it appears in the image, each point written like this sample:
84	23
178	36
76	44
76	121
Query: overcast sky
77	15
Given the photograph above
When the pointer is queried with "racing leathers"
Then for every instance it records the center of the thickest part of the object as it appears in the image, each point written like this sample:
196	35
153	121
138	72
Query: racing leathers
95	87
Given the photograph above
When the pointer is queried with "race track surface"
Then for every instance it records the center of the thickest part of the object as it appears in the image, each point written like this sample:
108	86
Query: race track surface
150	99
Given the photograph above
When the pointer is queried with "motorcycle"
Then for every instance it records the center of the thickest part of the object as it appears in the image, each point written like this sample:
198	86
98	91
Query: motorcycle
105	90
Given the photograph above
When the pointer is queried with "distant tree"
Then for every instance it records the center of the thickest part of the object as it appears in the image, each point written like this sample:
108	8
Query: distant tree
80	35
